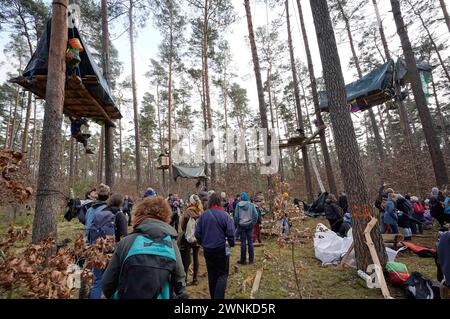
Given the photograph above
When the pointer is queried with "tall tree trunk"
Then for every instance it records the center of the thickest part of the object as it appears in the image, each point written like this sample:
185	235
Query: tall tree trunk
259	86
120	148
49	183
109	130
206	83
381	30
27	123
71	161
315	96
137	139
352	172
445	12
307	170
440	169
378	142
100	157
14	120
433	43
170	97
442	121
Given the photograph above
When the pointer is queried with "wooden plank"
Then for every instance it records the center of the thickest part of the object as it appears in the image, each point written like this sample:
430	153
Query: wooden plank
344	259
256	284
376	260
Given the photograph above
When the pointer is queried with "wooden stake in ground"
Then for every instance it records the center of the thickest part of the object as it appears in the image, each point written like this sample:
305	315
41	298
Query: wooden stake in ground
48	182
376	260
256	284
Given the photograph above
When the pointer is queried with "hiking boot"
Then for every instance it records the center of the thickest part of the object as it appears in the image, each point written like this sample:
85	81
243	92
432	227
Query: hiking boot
194	282
89	151
242	262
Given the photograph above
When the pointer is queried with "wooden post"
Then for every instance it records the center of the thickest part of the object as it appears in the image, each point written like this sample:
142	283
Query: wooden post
109	155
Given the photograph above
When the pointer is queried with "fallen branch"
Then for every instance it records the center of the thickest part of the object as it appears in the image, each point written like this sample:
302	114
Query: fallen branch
256	284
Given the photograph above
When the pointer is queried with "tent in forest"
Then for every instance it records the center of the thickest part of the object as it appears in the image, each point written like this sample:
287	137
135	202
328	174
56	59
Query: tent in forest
188	172
376	87
87	92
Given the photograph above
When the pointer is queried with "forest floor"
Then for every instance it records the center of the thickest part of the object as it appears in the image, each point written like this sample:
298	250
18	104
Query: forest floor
278	280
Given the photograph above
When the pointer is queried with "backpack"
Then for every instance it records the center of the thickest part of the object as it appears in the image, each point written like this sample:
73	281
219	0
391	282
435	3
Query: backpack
145	271
190	231
73	209
103	225
419	287
245	215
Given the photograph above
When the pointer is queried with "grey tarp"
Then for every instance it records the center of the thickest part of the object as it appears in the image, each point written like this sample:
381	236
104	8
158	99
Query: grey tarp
188	172
38	65
376	87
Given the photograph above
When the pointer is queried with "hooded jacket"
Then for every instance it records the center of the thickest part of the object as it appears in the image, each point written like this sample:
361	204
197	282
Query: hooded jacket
333	211
245	212
154	229
390	213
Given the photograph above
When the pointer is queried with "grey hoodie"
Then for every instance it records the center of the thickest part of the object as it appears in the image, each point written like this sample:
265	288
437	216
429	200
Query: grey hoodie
155	229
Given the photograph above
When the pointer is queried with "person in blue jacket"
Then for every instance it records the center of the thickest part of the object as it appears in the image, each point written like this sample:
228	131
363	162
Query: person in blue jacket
390	216
245	216
215	233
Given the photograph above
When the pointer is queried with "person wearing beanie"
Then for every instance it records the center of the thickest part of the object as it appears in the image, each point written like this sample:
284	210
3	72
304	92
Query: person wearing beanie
150	192
147	276
245	217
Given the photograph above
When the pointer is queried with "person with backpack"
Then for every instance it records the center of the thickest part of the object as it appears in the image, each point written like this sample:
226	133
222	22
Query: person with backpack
128	207
188	242
215	233
404	207
245	216
99	224
114	205
333	213
418	219
147	263
175	204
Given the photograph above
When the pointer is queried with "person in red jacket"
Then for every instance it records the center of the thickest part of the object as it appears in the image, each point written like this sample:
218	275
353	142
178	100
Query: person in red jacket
417	219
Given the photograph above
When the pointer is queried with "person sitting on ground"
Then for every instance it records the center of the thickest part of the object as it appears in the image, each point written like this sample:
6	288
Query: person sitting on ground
215	233
390	217
428	219
150	192
417	219
75	130
147	263
436	193
114	205
333	213
128	207
193	212
245	216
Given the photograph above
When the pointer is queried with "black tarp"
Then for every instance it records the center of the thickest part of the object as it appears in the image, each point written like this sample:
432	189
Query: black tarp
376	87
38	65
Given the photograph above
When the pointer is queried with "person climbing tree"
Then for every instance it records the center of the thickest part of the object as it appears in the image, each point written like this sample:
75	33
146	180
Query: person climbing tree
75	130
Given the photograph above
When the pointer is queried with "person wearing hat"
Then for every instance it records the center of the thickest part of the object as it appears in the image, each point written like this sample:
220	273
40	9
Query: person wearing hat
245	217
150	192
193	211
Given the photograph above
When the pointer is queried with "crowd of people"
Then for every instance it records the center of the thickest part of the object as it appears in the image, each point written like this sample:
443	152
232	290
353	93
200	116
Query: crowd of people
153	261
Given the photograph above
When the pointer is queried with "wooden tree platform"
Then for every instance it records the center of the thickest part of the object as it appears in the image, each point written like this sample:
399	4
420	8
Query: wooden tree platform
300	141
79	100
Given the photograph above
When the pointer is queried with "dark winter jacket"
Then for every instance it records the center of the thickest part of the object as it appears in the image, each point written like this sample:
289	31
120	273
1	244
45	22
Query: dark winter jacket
343	202
444	255
333	211
120	223
214	228
154	229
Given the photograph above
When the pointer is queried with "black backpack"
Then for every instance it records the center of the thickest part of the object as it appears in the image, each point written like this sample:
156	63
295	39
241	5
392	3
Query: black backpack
419	287
103	225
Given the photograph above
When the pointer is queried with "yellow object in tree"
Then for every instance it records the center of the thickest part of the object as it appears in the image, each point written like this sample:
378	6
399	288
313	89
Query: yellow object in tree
285	195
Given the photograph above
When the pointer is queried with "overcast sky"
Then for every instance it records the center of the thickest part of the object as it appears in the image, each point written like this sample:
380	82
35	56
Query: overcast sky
148	40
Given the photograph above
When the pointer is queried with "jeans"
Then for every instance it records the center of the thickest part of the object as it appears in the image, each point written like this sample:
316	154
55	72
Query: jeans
246	233
96	290
217	265
417	224
185	252
394	228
